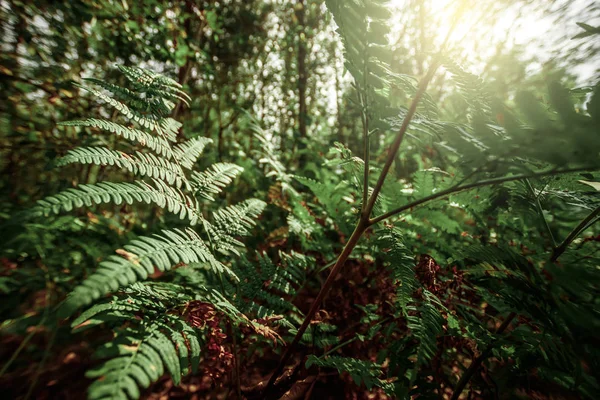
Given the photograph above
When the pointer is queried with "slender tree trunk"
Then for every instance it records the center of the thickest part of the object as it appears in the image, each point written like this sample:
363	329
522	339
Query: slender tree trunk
194	32
422	37
302	75
220	139
338	99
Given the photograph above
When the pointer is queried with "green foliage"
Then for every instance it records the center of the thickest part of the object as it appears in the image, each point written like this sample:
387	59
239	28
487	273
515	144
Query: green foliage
427	327
160	194
212	181
138	260
139	164
157	144
362	372
143	348
149	339
480	249
268	288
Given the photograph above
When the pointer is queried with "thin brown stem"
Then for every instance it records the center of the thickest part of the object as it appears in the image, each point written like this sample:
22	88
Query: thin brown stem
559	250
393	150
460	386
540	210
363	222
457	189
556	253
360	228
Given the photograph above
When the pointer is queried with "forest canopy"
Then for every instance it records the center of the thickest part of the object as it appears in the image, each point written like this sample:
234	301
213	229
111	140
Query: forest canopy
300	199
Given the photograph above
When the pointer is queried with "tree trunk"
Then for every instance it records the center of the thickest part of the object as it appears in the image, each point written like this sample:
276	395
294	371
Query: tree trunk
302	76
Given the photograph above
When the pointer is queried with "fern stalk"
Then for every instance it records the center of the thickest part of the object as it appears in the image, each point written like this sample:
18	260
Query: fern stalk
460	386
393	150
363	223
556	253
538	206
367	150
361	227
474	185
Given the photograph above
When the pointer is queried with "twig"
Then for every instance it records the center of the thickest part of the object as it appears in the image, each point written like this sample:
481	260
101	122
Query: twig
540	211
367	149
460	386
487	182
558	251
363	224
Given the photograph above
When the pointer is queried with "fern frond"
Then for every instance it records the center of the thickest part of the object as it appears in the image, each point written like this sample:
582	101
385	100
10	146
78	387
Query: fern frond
232	222
362	26
266	285
155	84
169	128
426	325
270	157
337	199
151	123
140	259
500	256
214	179
471	86
236	220
187	153
159	106
361	371
402	264
142	351
158	144
88	195
144	164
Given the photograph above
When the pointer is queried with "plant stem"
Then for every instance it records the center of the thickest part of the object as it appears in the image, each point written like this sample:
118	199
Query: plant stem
364	222
18	351
339	346
367	151
358	231
456	189
558	251
460	386
540	210
393	150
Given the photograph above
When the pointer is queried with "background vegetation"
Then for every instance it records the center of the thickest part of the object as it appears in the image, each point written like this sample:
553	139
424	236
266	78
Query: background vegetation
440	159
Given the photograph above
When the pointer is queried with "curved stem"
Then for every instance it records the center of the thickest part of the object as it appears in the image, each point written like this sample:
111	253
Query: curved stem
457	189
556	253
360	228
540	210
364	221
583	225
460	386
